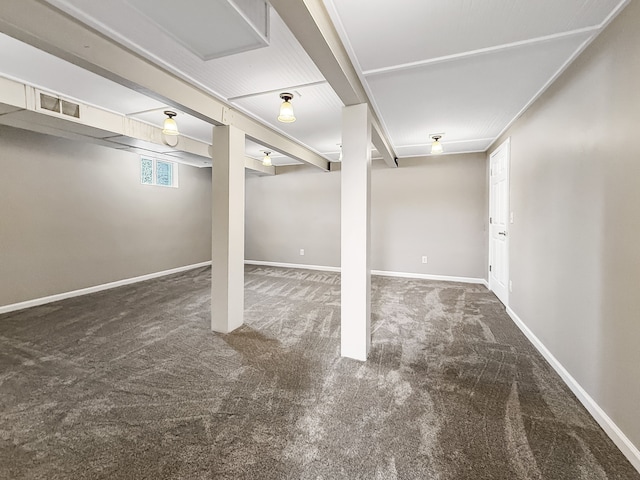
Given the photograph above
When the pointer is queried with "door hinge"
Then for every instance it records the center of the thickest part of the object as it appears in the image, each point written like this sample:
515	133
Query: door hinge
489	267
491	220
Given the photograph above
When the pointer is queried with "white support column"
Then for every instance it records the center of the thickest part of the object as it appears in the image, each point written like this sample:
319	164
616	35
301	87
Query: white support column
355	335
227	270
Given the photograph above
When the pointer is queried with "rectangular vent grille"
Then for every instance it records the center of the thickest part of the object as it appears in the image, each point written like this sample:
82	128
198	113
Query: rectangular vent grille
57	105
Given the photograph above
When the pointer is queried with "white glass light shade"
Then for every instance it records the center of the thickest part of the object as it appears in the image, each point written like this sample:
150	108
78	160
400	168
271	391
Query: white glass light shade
170	127
286	112
266	160
436	147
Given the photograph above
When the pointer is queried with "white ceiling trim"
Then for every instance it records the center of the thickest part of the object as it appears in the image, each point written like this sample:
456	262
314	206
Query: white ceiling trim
480	51
552	79
288	88
614	13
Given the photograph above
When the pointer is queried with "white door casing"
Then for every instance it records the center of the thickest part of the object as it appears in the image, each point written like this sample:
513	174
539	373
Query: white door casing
499	222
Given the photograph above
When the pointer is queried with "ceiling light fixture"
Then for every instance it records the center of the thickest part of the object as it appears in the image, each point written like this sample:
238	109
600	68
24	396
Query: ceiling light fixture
286	109
266	160
436	146
170	127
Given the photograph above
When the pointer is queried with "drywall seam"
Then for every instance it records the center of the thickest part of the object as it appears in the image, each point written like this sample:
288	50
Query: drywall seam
608	425
97	288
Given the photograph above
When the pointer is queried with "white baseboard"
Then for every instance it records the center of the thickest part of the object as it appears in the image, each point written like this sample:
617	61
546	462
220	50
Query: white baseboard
608	425
321	268
97	288
382	273
427	276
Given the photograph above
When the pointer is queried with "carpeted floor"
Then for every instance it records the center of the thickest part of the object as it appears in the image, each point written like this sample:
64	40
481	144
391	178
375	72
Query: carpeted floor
131	384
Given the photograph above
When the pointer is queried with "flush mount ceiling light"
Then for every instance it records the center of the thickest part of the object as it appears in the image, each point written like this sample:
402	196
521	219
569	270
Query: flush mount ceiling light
286	109
436	146
170	127
266	160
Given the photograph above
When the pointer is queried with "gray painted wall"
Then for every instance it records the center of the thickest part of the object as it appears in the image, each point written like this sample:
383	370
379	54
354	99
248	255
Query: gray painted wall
433	206
575	194
74	215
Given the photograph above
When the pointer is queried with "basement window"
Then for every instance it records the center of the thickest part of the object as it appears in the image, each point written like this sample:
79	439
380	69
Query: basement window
158	172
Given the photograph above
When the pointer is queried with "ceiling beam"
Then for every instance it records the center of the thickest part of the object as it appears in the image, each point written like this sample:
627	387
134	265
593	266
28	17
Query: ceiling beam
311	24
49	29
257	166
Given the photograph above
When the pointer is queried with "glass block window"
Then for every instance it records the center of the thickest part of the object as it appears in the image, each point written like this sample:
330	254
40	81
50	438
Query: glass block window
146	171
158	172
164	172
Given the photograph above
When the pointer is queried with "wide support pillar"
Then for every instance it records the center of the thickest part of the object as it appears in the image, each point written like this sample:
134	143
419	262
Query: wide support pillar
227	256
355	334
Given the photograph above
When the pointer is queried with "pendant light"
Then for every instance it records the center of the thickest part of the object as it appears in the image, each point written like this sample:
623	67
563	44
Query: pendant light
436	146
170	127
286	109
266	160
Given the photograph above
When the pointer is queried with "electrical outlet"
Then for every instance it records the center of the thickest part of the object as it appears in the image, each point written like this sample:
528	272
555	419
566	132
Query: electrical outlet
424	259
302	251
510	286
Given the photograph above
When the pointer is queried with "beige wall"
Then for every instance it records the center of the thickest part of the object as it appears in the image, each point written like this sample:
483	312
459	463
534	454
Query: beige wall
433	206
298	208
74	215
575	194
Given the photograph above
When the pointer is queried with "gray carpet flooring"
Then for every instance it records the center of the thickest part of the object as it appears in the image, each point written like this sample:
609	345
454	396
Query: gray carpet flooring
130	383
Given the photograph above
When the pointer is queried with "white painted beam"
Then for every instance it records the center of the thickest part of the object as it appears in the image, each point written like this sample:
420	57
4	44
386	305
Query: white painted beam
227	255
355	307
47	28
311	24
256	166
12	94
382	145
96	125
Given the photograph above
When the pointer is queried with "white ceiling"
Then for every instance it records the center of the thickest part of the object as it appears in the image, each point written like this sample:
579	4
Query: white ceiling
464	68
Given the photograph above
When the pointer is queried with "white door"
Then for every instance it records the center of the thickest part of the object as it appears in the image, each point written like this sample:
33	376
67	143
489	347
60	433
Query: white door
499	222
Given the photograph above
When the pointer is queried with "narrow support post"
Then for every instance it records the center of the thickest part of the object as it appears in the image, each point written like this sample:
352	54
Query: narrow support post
355	335
227	256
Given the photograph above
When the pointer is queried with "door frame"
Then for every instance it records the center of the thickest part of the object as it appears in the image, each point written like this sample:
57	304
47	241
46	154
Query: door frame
506	145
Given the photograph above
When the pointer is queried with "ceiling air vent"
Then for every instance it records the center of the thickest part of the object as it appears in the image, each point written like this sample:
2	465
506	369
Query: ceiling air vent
58	105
